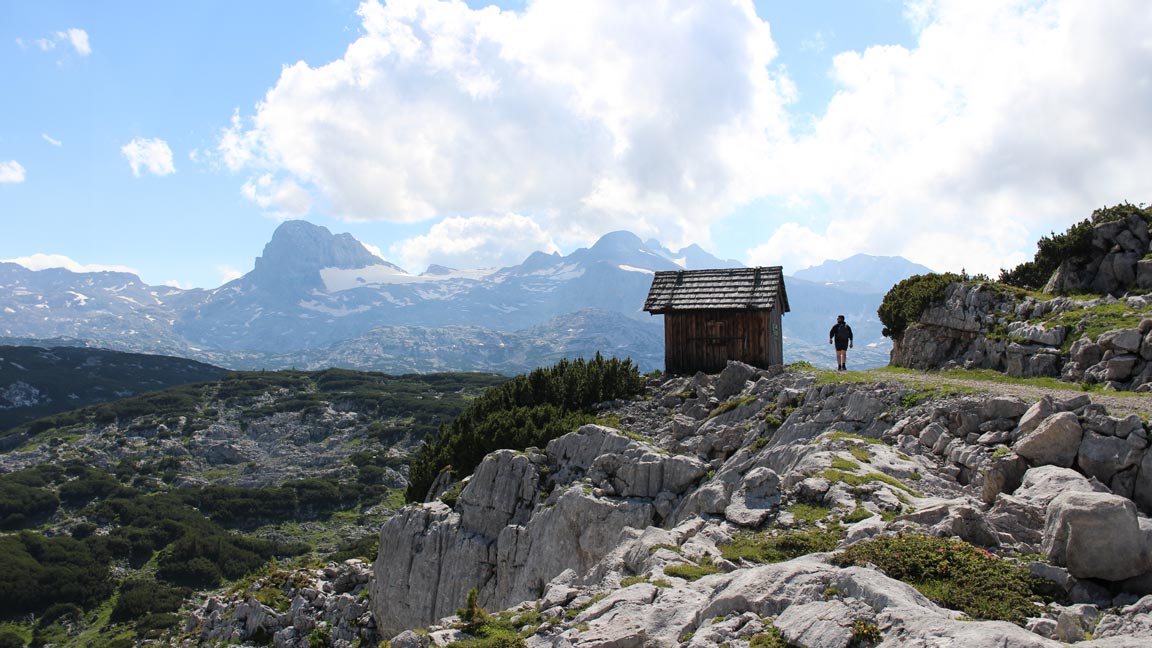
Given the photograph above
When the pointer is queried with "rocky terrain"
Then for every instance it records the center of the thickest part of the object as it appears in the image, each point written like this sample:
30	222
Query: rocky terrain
1087	325
726	510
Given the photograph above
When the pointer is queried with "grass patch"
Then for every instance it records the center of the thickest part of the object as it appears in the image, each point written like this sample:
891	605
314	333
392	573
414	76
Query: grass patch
764	548
729	405
862	455
657	547
808	513
840	463
837	435
693	572
632	580
858	514
635	436
832	474
952	573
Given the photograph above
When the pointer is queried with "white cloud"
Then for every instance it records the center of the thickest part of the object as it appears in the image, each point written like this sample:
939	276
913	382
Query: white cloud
475	242
153	155
580	113
1003	121
817	43
78	38
1006	120
282	198
42	261
51	140
11	171
794	247
228	273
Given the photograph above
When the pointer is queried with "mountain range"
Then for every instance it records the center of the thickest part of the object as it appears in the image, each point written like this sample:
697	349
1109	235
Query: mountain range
315	299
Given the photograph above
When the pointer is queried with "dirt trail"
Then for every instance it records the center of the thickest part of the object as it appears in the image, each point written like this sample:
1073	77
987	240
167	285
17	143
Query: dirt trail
1118	405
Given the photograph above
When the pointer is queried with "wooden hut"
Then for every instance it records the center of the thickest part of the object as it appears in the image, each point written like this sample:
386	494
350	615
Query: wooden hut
713	316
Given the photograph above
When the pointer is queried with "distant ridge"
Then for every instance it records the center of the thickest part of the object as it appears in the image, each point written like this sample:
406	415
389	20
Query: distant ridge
863	272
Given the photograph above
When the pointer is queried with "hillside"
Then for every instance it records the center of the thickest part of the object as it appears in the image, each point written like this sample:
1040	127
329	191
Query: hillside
38	381
113	515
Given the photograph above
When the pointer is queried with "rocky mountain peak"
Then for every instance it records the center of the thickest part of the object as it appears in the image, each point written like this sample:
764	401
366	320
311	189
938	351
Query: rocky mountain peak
301	246
292	260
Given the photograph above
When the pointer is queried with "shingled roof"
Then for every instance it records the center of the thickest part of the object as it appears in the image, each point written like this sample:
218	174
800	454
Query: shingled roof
726	289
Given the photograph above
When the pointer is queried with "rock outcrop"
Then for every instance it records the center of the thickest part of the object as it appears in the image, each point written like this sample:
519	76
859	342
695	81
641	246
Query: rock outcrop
299	609
988	326
595	533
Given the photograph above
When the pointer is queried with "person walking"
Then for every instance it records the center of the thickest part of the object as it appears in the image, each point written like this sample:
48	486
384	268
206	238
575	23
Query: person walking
841	335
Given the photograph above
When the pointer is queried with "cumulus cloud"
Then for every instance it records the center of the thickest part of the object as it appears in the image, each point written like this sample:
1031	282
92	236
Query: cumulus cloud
152	155
11	171
40	261
580	113
475	242
78	38
795	247
283	198
1002	121
1005	121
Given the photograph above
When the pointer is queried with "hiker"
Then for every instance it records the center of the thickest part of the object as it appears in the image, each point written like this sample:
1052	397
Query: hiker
841	334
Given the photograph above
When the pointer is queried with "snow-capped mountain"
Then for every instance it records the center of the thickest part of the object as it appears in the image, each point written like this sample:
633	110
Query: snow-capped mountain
315	298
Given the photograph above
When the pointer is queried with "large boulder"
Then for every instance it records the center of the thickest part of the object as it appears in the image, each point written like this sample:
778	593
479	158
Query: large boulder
1104	456
1055	441
1095	535
732	379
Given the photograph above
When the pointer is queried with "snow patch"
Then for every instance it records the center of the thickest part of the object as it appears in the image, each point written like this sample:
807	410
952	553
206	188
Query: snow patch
78	298
328	310
340	279
628	268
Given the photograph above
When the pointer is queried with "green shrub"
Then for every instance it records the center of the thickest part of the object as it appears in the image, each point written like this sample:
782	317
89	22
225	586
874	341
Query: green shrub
11	639
49	570
529	410
905	302
140	597
772	638
764	548
1074	244
952	573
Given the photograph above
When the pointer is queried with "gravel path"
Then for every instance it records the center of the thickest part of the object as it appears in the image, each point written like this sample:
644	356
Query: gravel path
1117	404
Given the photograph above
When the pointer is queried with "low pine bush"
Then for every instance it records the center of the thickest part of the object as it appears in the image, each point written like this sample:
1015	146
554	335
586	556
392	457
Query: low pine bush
906	300
529	410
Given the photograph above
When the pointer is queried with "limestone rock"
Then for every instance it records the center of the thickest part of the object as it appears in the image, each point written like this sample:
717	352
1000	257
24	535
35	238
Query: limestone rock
1055	441
732	379
755	499
1095	535
1104	456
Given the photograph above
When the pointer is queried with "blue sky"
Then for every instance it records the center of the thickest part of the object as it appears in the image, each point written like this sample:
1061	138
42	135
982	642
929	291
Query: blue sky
171	138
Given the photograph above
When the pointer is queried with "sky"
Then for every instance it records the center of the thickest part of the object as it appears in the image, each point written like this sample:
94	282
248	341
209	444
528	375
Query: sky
170	139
